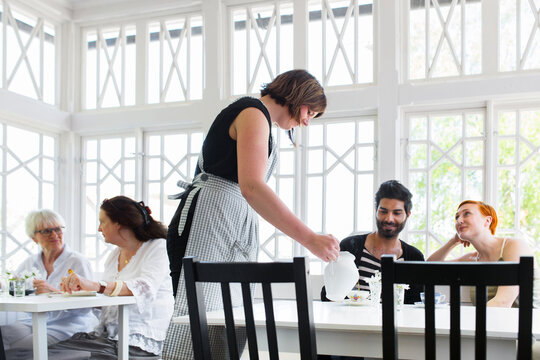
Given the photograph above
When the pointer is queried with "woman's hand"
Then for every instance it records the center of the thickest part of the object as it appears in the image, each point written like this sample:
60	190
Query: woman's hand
457	239
324	246
43	286
76	283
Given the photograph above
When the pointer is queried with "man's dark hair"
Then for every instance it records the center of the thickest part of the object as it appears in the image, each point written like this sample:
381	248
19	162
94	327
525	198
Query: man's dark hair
393	189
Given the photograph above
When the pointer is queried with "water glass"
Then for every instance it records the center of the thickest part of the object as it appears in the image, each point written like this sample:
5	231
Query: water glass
399	296
4	286
19	287
375	290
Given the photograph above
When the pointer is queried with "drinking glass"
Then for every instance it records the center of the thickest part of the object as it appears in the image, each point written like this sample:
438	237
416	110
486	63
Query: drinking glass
399	296
19	287
4	286
375	290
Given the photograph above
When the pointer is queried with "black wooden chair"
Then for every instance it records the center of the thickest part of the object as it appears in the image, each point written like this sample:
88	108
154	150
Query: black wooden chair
456	275
2	351
296	272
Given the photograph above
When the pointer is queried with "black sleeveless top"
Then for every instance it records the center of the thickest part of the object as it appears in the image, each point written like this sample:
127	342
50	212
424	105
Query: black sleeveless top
219	149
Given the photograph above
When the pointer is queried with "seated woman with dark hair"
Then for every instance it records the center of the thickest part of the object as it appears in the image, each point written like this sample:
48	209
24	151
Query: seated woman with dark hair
475	224
139	267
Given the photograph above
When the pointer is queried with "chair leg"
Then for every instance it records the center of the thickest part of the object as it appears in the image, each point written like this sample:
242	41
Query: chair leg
2	350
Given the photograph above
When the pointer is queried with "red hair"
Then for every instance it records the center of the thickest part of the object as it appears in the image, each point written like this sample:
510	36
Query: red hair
486	210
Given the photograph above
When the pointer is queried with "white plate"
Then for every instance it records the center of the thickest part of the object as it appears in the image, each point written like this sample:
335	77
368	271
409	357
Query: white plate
421	304
75	293
365	302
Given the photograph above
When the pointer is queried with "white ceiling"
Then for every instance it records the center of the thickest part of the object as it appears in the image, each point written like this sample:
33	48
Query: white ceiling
84	11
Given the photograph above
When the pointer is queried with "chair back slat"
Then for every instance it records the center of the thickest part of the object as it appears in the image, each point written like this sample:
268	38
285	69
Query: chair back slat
457	275
455	322
388	320
480	331
196	273
250	322
525	308
229	320
429	315
304	305
270	323
2	350
197	313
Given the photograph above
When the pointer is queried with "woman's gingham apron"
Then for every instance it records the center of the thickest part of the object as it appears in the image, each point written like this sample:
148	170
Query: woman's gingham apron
224	228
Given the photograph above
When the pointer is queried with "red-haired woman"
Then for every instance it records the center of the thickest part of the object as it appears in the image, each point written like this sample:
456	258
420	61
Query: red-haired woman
476	223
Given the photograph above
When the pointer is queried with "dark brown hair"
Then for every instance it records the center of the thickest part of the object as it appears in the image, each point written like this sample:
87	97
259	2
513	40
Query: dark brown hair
134	215
295	88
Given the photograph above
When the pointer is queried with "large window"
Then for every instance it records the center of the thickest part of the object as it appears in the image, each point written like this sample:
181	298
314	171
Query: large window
444	38
519	35
450	156
261	44
518	173
169	158
339	177
28	181
27	53
175	59
110	59
445	162
335	179
109	169
341	41
116	165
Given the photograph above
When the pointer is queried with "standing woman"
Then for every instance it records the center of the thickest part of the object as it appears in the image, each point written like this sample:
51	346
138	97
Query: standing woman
217	219
476	223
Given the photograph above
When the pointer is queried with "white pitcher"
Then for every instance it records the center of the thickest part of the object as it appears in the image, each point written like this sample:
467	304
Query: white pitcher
340	276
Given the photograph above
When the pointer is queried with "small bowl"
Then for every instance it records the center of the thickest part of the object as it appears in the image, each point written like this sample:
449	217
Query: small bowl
358	295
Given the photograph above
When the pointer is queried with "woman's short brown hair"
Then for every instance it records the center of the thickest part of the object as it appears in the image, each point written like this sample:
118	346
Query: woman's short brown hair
295	88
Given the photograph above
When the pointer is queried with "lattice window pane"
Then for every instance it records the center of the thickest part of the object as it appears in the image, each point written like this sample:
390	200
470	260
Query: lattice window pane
109	170
175	59
444	38
273	244
110	60
340	41
340	172
29	68
169	158
445	165
519	43
518	174
31	182
262	44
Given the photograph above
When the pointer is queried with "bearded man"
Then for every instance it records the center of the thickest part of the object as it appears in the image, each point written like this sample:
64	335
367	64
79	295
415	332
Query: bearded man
392	209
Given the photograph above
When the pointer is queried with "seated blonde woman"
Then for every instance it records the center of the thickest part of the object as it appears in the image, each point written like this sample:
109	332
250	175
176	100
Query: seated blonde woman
53	260
476	223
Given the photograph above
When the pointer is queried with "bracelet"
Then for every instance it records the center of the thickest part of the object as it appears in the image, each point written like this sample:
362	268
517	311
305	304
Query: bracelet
117	288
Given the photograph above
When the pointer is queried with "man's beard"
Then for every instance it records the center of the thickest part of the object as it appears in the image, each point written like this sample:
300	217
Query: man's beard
387	233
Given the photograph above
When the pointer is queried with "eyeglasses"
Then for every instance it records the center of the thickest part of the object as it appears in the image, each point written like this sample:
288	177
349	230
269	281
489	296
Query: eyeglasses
47	232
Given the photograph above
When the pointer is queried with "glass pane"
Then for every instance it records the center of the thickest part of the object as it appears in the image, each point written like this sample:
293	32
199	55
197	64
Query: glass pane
347	29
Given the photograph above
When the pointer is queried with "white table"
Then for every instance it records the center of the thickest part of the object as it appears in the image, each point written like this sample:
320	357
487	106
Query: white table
39	306
357	330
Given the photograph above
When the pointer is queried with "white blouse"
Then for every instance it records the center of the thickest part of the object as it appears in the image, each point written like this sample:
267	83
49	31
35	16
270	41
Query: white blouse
62	324
147	276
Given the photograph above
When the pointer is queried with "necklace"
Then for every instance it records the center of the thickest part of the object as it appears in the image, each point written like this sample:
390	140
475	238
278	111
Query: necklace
126	261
